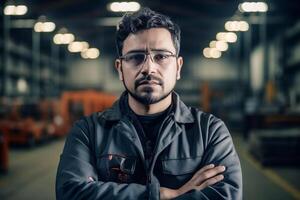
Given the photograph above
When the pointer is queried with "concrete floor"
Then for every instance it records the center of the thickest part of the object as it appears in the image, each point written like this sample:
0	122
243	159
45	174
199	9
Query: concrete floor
264	183
32	175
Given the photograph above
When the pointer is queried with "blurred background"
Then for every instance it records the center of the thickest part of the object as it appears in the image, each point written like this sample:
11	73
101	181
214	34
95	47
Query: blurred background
242	63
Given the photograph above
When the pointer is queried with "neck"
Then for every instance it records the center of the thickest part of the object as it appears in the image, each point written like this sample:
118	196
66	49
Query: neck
141	109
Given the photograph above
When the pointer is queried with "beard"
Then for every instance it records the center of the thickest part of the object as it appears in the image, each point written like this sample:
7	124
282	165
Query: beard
146	96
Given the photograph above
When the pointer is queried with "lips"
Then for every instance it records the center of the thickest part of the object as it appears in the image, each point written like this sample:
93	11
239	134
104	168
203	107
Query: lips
148	80
149	83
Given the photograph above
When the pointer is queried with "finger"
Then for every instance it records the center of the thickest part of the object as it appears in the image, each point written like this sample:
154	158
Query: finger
209	174
203	169
210	166
210	182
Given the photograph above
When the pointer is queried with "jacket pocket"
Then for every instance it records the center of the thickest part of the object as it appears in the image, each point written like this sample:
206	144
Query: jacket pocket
181	166
176	172
117	168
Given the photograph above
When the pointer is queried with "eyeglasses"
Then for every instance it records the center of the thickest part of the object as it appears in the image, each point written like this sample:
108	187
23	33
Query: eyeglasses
138	58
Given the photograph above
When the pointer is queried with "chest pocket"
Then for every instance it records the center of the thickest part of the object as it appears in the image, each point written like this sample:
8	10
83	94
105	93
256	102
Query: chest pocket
117	168
176	172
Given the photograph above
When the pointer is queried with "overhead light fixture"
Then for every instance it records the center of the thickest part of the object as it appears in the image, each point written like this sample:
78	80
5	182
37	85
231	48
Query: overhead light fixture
124	6
15	10
77	46
221	46
215	53
206	52
221	36
22	85
63	38
212	44
244	26
229	37
91	53
211	53
236	26
44	27
253	7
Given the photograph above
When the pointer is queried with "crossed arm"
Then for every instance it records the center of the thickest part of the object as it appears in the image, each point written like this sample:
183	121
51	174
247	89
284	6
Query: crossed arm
206	176
78	179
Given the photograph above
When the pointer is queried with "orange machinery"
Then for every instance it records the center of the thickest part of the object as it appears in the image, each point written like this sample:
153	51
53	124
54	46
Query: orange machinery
37	122
51	114
29	123
24	124
76	104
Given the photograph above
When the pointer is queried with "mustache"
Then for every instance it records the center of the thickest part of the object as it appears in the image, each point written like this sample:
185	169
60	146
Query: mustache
147	78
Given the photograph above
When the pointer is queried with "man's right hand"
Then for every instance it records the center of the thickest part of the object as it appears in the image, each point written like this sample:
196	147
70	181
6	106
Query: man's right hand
206	176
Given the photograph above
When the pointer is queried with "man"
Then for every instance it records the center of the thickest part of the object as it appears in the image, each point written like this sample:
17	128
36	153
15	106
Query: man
149	145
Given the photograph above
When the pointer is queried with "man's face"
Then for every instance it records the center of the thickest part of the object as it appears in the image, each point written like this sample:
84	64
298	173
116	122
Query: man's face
154	78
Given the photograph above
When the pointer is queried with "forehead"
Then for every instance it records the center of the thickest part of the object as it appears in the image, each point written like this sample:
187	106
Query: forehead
149	39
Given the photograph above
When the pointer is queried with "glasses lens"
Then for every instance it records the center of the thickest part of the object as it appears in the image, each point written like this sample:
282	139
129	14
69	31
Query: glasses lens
135	59
161	57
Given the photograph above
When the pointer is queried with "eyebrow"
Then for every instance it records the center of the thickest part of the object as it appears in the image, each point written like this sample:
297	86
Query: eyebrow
143	50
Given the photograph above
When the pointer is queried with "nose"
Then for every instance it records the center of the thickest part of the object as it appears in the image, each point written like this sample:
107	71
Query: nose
148	65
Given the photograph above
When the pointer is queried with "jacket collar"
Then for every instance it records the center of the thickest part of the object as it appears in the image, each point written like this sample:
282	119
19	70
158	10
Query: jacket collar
182	113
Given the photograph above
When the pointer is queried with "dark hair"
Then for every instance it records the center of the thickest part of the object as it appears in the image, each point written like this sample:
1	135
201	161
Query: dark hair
142	20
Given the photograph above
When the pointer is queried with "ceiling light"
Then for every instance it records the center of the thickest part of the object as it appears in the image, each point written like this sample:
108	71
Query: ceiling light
215	53
75	47
68	38
221	45
232	26
48	27
9	10
227	37
262	7
244	26
253	7
206	52
38	27
85	46
57	39
124	6
212	44
63	38
91	53
22	85
83	55
231	37
221	36
211	53
44	27
236	26
78	46
15	10
21	10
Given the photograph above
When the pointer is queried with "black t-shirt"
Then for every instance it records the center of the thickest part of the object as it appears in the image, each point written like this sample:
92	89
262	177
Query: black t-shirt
147	127
150	129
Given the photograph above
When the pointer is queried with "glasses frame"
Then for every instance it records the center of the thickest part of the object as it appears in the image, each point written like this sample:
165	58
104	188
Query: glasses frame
147	53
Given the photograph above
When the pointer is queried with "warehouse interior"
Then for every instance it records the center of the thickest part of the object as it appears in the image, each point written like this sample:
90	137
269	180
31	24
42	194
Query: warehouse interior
241	63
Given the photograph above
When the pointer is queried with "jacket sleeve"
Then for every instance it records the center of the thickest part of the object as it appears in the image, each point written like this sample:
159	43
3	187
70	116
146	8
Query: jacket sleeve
77	176
220	151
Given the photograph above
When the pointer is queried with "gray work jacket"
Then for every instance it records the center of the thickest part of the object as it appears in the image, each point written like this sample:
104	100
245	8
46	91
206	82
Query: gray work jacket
103	157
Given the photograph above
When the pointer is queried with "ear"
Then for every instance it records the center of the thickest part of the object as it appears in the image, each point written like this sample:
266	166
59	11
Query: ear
118	66
179	66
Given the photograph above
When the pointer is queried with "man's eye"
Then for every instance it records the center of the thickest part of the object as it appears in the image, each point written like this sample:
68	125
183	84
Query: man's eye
136	58
160	56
